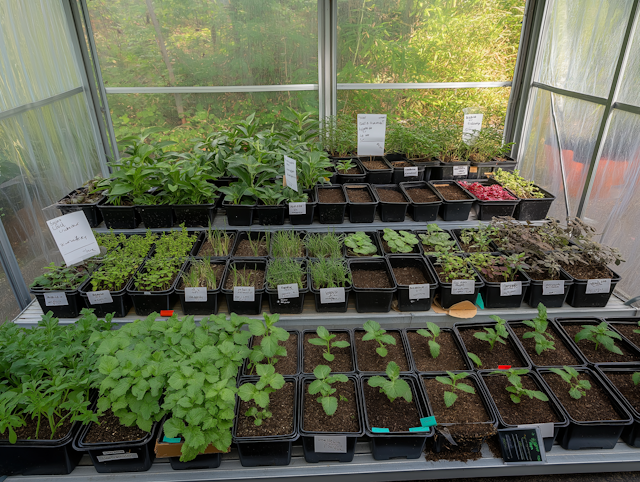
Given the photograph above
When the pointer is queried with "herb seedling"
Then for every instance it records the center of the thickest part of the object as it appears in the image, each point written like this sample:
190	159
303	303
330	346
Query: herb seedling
61	277
516	390
475	359
437	240
454	267
600	335
174	244
431	333
242	277
360	244
286	244
284	271
374	332
539	334
219	241
269	382
637	331
394	387
478	239
578	388
453	380
157	274
322	385
492	335
330	273
201	274
324	339
321	245
114	273
344	165
269	346
399	241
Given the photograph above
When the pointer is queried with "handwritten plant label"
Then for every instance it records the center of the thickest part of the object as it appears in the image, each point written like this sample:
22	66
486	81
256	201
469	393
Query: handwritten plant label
57	298
553	287
244	293
290	173
419	292
74	237
288	291
99	297
460	170
297	208
411	171
122	456
598	286
330	444
331	295
463	287
471	128
371	134
197	295
511	288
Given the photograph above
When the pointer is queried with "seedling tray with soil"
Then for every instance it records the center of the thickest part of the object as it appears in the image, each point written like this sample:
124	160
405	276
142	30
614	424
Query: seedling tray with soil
207	250
393	202
451	356
284	246
307	217
621	383
535	293
402	175
445	288
369	361
492	201
413	270
502	354
565	352
120	305
270	215
373	285
80	200
581	274
362	203
387	250
627	327
354	174
250	274
146	302
288	305
206	306
377	170
286	365
194	215
446	170
532	209
471	248
456	201
239	214
343	358
373	236
251	244
425	203
492	294
157	216
120	217
332	204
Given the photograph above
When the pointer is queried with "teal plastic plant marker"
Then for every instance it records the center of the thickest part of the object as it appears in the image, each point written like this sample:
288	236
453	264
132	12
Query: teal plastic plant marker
419	429
171	440
379	430
428	421
479	302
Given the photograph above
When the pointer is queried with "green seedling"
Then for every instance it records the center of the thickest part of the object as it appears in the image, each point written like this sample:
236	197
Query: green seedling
578	388
322	385
492	335
374	332
269	382
344	165
360	244
516	390
201	274
454	267
324	339
330	273
400	241
600	335
539	334
394	387
269	347
475	359
287	244
453	381
431	333
321	245
437	240
635	378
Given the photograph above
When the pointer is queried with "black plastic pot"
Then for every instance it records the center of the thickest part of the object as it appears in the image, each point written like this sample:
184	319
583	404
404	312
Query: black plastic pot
75	302
509	164
90	210
414	366
391	445
115	457
493	299
147	302
445	171
534	208
119	217
194	215
479	170
428	164
391	212
205	307
578	297
308	437
268	450
630	322
429	250
239	214
373	345
156	216
244	307
307	218
331	213
596	434
416	247
120	305
361	212
331	331
339	307
487	210
400	175
348	253
244	235
447	297
422	212
247	372
373	300
349	178
535	292
553	403
454	210
406	299
270	215
376	176
631	433
287	305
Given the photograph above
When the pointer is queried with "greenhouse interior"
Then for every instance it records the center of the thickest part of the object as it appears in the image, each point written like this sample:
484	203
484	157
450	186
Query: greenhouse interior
308	239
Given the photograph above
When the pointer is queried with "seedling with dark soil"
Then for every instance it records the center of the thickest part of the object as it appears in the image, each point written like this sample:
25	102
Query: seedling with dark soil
269	382
400	241
516	390
600	335
578	388
453	380
360	244
324	339
374	332
322	385
539	334
269	347
431	333
498	333
394	387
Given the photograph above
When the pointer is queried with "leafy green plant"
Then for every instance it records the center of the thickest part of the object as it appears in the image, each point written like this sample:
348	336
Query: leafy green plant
453	381
313	168
498	333
62	277
437	240
517	390
110	240
322	245
478	239
517	184
498	267
600	335
322	385
475	359
454	267
201	274
344	165
400	241
174	244
324	339
394	387
330	273
431	333
338	135
157	274
269	347
578	388
114	273
270	194
635	378
374	332
544	340
285	271
237	193
287	244
360	244
186	181
269	382
137	246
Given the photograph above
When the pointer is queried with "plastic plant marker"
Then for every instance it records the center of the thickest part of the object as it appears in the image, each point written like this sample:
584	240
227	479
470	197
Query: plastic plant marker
504	367
168	313
419	429
379	430
428	421
480	302
170	440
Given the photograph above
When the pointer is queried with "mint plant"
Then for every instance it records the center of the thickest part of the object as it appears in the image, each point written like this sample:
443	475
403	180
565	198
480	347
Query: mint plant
324	339
360	244
269	382
431	333
374	332
114	273
539	334
399	241
394	387
600	335
577	388
498	333
322	385
157	274
269	347
517	390
453	381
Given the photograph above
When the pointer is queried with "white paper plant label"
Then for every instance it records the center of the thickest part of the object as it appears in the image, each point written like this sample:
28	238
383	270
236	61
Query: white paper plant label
297	208
198	295
511	288
331	295
106	458
99	297
244	293
290	174
471	128
411	171
419	292
553	287
74	237
598	286
288	291
330	444
57	298
460	170
371	133
463	287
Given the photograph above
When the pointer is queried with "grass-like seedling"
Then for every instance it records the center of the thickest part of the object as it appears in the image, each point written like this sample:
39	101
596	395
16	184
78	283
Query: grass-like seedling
284	271
242	277
202	274
453	381
492	335
539	334
269	382
516	390
330	273
394	387
374	332
431	333
600	335
286	244
322	385
577	388
220	241
324	339
322	245
254	244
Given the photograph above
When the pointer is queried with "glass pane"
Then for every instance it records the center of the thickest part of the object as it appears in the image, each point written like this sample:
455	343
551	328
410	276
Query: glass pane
614	198
630	82
428	41
36	60
207	43
581	44
9	307
558	141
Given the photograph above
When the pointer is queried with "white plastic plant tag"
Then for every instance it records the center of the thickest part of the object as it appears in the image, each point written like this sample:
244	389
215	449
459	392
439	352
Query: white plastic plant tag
330	444
106	458
598	286
371	134
553	287
198	295
460	170
244	293
419	292
331	295
471	128
463	287
288	291
99	297
290	174
511	288
411	171
57	298
74	237
297	208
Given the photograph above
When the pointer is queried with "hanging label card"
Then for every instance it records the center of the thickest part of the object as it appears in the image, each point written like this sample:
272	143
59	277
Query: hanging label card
553	287
460	170
598	286
288	291
463	287
99	297
330	444
74	237
419	292
511	288
546	429
57	298
290	173
244	293
371	133
195	294
297	208
411	171
522	446
331	295
471	128
106	458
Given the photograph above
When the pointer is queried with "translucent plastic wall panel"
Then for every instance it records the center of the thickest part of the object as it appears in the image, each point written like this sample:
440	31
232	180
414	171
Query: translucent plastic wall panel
613	203
9	308
207	42
556	150
36	58
581	44
629	92
428	41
